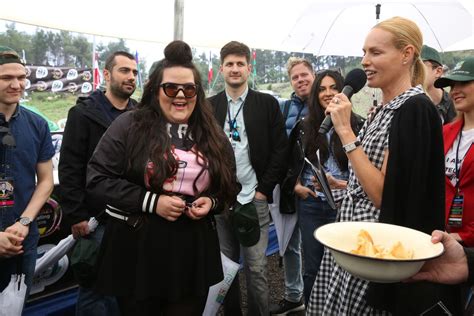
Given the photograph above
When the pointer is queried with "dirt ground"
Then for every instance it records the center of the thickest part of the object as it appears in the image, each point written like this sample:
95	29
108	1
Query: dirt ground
276	283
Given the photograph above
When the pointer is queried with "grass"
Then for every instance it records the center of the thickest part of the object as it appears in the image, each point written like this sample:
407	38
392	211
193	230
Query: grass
54	106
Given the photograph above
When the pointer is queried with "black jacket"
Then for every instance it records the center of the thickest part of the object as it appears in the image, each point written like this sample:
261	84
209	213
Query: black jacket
413	196
295	158
266	134
86	123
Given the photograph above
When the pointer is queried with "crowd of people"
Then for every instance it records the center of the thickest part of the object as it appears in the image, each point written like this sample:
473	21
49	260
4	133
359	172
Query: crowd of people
179	178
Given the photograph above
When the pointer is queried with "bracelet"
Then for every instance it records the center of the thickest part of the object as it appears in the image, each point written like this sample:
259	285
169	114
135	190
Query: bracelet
213	202
351	146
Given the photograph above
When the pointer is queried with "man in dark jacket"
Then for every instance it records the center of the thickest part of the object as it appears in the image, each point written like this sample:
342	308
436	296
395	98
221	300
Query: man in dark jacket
256	131
86	122
301	74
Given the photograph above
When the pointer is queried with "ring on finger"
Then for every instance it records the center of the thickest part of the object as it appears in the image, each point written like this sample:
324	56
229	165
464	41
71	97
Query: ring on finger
336	100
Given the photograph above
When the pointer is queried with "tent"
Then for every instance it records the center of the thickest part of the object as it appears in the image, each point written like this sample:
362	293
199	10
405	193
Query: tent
298	25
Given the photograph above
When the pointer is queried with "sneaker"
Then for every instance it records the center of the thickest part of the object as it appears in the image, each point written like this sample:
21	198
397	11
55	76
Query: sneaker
285	307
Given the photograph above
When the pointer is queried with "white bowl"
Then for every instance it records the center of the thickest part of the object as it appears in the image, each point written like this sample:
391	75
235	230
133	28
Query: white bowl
340	238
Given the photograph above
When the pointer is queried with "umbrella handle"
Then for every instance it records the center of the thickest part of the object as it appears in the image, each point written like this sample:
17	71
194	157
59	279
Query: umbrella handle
19	264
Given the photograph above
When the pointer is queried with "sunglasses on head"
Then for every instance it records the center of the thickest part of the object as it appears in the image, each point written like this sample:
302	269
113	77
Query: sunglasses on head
7	139
172	89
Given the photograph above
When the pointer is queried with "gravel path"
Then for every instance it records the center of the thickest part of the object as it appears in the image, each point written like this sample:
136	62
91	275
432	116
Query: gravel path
276	283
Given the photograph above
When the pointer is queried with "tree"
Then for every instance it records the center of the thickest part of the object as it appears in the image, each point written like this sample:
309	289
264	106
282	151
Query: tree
68	49
54	48
112	47
19	41
39	48
82	52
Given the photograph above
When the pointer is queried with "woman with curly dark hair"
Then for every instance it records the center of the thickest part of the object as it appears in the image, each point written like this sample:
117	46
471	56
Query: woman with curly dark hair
299	188
163	170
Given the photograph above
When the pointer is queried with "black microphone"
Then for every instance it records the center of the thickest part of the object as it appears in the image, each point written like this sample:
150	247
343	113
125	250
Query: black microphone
355	80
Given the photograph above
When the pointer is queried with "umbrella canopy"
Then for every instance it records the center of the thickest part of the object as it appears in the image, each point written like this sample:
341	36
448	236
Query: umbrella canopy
322	27
12	298
340	28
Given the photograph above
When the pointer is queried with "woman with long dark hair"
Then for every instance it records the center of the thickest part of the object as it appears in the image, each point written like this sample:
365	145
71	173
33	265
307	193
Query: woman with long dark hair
163	170
311	204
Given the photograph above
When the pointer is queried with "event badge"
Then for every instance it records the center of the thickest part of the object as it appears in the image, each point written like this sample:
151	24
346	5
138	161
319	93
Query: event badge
455	213
6	192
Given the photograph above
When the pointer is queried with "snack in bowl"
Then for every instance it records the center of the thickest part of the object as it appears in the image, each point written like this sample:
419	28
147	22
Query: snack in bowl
342	237
366	247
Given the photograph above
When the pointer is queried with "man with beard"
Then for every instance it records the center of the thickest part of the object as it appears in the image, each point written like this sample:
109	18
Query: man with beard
86	122
256	131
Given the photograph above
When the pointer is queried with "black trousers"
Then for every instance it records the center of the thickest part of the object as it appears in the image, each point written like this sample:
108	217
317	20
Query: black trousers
193	306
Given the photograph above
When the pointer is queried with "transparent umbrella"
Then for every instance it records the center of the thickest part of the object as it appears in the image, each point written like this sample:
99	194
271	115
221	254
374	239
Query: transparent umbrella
54	254
13	296
284	223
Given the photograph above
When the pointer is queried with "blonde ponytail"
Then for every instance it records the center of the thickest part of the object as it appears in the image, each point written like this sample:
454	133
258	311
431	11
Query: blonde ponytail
406	32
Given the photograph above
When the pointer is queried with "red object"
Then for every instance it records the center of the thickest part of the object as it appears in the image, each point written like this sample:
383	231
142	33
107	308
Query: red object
97	80
210	74
466	185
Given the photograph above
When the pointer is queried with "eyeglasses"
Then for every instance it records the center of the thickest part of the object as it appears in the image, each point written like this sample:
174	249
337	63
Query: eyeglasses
234	133
7	139
172	89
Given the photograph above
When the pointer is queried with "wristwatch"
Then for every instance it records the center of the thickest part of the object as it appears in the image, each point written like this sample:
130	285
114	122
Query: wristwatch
351	146
25	221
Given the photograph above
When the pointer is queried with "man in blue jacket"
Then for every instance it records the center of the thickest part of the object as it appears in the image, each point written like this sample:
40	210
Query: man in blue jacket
301	75
256	132
86	123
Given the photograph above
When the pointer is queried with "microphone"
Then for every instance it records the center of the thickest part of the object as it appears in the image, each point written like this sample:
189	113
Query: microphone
355	80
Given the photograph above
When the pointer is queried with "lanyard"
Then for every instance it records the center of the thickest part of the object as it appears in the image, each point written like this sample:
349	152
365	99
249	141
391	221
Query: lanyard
231	122
456	168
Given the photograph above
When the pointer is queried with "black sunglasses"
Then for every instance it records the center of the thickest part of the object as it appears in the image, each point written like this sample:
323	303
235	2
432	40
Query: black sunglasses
172	89
7	139
234	133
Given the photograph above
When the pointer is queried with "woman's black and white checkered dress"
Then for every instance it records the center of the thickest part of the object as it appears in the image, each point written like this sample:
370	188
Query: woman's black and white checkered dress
335	291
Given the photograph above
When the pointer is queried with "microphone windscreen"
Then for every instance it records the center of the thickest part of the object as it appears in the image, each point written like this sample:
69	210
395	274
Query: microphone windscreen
356	78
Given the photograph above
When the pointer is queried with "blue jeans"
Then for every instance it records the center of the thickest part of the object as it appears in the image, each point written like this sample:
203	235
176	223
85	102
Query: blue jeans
254	261
24	263
312	213
292	263
90	303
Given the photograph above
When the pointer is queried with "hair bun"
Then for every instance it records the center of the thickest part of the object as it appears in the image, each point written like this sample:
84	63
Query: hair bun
178	52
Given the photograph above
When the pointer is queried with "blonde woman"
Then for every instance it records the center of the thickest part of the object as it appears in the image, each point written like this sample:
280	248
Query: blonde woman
395	175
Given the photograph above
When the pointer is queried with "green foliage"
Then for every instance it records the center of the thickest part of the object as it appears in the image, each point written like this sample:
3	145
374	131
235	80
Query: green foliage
111	47
19	41
54	106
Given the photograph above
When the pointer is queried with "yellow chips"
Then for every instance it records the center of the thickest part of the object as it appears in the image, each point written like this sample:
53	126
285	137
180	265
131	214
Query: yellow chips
366	247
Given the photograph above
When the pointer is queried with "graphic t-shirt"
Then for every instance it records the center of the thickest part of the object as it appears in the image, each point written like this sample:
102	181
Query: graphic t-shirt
467	138
190	164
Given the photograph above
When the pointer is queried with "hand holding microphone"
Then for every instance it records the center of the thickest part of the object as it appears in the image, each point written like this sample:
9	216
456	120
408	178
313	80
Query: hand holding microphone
355	81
